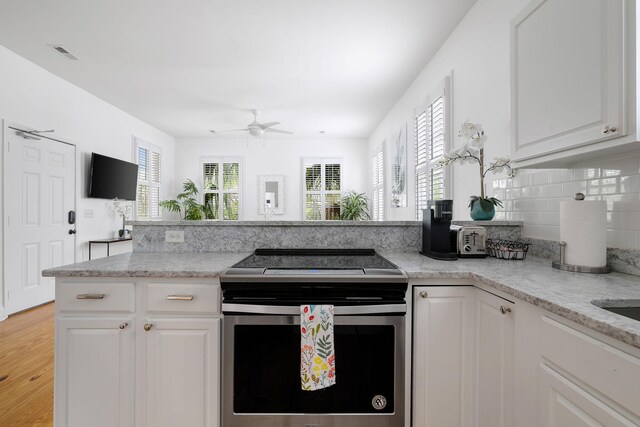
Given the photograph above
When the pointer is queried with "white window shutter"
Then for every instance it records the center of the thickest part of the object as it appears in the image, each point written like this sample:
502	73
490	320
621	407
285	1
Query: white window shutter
377	163
431	142
322	189
149	193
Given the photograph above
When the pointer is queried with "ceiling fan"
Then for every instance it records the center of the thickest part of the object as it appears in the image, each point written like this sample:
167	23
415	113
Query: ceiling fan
257	129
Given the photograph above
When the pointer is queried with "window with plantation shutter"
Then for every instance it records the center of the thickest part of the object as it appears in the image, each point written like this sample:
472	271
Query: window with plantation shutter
377	191
322	189
431	136
221	188
149	193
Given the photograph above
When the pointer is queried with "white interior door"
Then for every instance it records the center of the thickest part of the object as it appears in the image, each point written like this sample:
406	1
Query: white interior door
39	191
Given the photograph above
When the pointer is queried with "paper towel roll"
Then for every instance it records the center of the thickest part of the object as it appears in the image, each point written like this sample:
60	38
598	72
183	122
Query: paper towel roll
583	226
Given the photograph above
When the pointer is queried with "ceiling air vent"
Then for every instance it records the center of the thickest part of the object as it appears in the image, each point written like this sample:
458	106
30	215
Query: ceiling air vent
58	48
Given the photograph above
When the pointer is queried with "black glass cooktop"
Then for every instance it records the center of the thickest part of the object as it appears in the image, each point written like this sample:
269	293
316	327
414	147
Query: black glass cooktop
315	259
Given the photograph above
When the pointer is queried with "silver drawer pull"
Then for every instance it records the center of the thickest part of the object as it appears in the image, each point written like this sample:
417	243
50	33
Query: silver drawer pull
504	310
179	297
90	296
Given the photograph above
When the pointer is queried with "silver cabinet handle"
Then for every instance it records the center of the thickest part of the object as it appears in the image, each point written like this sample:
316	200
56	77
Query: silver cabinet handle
90	296
423	294
609	129
505	310
147	326
179	297
123	325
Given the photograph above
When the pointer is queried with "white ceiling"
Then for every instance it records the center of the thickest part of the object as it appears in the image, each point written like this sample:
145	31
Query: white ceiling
189	66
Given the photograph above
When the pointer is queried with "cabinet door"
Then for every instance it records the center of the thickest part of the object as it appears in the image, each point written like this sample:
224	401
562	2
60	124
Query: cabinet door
568	75
494	362
443	355
182	372
565	404
94	372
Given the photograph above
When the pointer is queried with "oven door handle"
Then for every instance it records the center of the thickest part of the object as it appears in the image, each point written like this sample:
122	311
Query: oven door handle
293	310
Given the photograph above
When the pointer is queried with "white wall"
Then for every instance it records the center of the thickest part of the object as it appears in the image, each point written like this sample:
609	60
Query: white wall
477	52
31	96
277	156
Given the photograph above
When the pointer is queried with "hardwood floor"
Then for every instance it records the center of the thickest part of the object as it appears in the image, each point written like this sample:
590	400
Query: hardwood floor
26	368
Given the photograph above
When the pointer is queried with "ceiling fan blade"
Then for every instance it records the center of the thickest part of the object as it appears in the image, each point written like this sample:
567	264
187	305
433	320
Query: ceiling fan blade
268	125
278	131
232	130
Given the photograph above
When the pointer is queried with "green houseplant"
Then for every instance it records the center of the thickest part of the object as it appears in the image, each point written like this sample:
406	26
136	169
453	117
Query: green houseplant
482	207
186	202
354	207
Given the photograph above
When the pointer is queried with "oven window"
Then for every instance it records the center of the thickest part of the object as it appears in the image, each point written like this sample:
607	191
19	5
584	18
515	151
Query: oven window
267	371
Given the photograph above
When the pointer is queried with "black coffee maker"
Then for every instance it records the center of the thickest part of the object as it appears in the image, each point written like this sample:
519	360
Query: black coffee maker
436	222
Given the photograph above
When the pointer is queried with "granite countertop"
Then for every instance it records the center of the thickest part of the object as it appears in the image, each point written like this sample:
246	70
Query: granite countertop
533	280
151	264
278	223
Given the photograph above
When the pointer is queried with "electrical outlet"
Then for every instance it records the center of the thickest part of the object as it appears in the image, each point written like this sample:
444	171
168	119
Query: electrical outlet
88	213
174	236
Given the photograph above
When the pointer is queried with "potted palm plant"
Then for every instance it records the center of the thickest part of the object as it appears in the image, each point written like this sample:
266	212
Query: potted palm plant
186	202
482	208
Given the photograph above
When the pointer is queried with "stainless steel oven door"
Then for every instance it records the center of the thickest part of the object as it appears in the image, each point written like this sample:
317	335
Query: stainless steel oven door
261	370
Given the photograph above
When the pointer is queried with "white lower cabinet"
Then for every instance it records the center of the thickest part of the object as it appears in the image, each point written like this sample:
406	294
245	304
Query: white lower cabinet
182	372
462	358
96	357
443	355
494	361
137	354
584	380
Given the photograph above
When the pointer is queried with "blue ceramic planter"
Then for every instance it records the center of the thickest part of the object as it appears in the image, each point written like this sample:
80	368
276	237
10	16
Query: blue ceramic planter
479	214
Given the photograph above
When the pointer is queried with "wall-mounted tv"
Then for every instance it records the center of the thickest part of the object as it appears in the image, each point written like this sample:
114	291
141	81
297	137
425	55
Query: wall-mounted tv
111	178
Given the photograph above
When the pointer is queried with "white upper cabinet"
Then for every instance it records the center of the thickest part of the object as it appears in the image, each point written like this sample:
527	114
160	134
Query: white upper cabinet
571	62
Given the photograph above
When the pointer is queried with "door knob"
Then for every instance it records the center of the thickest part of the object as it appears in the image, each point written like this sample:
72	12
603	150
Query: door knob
423	294
72	231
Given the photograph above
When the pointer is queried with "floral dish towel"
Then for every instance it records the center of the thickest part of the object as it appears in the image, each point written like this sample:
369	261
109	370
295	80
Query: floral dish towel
318	358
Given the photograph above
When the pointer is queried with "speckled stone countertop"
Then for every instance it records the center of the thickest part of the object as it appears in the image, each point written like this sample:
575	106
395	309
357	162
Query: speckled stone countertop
533	280
151	264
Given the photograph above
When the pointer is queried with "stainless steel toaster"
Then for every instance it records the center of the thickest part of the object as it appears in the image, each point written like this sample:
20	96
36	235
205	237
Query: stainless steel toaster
469	240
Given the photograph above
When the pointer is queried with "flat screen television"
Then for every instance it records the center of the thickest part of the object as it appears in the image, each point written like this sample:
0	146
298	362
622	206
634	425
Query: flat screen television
111	178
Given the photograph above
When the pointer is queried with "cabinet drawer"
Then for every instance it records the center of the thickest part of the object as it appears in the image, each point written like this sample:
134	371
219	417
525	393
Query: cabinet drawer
189	298
95	297
605	369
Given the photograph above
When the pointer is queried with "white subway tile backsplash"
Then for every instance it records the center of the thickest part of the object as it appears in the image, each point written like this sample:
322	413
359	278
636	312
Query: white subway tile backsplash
551	190
586	173
539	205
540	178
559	175
550	218
629	220
613	220
630	184
522	180
569	189
554	204
534	197
623	239
623	202
513	193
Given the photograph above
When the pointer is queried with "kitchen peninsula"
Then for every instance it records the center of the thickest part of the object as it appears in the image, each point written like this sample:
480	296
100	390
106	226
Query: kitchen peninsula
521	337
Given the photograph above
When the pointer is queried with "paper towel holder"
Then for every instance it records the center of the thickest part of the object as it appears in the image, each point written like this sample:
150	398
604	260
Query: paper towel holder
577	268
